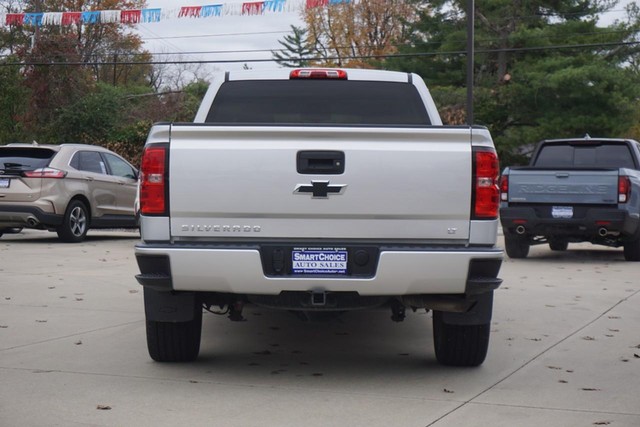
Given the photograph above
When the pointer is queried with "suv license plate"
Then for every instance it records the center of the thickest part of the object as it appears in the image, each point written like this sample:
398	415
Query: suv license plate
4	182
318	261
562	211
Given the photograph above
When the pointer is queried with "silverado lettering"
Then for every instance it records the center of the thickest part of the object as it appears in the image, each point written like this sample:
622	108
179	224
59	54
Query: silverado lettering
222	228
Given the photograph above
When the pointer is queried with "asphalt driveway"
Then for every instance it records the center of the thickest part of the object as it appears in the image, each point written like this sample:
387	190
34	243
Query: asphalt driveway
565	351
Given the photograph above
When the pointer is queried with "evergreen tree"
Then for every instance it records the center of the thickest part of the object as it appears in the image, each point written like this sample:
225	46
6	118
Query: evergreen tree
296	49
542	69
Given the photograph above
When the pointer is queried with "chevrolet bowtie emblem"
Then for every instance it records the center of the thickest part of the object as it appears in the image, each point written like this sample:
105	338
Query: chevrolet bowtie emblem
319	189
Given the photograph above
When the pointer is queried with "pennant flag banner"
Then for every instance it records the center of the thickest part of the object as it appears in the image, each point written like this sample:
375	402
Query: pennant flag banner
147	16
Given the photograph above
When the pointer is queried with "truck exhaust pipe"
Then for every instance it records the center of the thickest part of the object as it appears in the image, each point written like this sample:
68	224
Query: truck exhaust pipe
520	229
32	221
603	232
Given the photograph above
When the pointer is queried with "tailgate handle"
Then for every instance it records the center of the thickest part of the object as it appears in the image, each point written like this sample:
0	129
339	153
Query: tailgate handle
562	175
320	162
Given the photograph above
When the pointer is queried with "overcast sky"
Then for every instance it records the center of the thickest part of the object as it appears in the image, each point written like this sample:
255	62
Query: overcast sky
244	37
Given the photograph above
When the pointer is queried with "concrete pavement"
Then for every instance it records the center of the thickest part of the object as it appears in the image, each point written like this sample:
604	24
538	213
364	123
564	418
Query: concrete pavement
565	351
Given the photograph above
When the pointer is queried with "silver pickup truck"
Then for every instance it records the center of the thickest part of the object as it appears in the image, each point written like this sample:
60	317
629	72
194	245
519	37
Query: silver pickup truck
574	190
319	191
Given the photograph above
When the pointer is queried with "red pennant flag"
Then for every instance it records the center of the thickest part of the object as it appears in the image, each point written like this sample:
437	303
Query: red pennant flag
190	12
316	3
133	16
70	18
14	19
253	8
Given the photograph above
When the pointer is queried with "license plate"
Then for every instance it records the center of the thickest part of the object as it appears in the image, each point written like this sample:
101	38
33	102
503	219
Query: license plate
4	182
562	211
318	261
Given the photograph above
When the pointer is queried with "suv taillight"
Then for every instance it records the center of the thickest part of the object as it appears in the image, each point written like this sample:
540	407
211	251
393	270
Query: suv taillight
153	180
624	189
486	194
45	173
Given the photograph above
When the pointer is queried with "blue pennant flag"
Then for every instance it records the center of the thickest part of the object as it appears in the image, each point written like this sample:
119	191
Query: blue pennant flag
211	10
34	19
274	5
90	17
151	15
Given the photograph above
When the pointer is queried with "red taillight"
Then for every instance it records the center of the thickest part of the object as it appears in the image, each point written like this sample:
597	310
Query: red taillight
485	184
152	180
318	73
504	188
45	173
624	189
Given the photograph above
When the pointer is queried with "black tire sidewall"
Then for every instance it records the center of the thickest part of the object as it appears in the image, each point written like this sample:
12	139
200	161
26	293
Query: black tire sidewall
64	231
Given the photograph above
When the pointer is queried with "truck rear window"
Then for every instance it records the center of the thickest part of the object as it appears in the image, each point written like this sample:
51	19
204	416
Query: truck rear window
585	156
339	102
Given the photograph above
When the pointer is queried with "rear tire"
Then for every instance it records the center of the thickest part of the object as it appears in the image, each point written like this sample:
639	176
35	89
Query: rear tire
175	341
75	223
460	345
516	246
558	245
632	250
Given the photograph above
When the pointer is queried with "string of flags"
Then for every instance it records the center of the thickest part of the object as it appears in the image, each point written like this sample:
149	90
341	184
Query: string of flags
147	16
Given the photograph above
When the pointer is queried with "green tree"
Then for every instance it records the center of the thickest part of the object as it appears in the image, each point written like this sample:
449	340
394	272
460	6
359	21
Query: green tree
542	69
296	48
61	65
93	117
13	102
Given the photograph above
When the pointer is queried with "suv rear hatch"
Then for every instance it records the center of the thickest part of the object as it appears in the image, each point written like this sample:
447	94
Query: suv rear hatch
15	162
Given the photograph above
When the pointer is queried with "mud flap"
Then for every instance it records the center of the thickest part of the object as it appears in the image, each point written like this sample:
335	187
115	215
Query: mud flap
169	306
479	314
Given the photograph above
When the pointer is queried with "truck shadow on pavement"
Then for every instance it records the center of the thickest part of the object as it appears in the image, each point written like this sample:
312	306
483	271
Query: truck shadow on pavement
357	346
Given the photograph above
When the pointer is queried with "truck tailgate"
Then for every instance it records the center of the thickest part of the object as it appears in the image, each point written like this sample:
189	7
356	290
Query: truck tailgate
567	187
398	183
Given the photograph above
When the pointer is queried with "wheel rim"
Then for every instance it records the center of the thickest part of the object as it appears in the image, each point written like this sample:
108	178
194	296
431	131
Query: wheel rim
77	221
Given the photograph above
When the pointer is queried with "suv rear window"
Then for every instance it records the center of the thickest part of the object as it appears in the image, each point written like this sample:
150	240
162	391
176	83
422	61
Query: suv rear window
585	156
338	102
24	158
